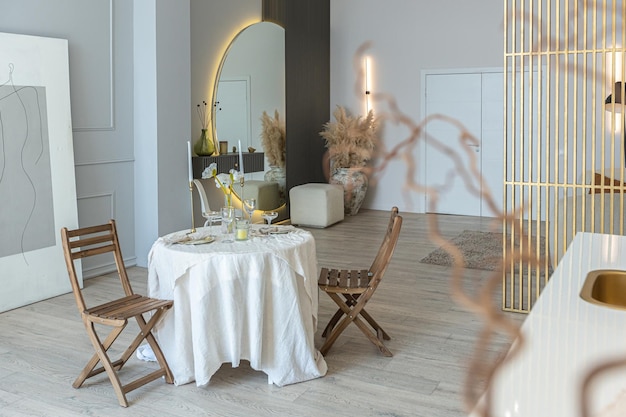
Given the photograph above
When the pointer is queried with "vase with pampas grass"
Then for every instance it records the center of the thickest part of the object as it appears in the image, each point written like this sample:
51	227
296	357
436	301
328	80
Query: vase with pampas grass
350	141
273	140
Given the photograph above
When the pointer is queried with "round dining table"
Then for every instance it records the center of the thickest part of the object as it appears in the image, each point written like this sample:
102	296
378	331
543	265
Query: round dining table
254	299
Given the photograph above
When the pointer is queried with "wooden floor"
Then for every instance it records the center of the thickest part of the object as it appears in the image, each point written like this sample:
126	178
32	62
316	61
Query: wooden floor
44	346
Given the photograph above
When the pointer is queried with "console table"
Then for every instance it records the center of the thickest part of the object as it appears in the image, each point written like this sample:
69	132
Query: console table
252	162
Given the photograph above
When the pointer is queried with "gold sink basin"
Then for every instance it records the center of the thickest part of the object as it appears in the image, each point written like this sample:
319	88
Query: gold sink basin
605	287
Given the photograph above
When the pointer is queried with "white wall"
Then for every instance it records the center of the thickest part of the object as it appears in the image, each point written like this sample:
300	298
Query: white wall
101	88
162	82
213	25
132	92
129	140
407	37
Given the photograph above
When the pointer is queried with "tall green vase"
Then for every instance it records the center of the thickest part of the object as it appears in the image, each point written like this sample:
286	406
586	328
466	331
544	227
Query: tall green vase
204	146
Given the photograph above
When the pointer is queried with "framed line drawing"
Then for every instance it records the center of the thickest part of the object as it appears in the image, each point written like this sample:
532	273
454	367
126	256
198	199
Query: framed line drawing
37	184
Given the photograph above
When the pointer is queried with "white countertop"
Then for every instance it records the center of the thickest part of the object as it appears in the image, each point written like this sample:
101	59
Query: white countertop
565	337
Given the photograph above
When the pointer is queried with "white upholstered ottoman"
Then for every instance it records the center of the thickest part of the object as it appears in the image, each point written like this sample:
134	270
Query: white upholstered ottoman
316	204
266	193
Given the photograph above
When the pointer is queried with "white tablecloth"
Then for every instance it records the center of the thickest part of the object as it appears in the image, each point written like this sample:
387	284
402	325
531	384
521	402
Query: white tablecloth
255	300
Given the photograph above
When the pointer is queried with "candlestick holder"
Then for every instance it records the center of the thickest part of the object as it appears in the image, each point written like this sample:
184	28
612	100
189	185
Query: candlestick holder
193	228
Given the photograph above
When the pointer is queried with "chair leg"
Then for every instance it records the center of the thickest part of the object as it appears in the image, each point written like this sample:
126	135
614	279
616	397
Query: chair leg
352	315
372	337
332	322
351	301
343	324
106	362
111	368
89	371
376	326
156	349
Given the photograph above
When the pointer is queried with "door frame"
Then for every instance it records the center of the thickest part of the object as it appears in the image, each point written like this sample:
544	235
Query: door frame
423	74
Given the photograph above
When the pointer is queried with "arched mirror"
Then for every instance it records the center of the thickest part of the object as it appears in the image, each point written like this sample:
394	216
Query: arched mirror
250	81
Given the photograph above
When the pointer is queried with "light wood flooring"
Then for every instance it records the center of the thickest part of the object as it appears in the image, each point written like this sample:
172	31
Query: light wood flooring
43	346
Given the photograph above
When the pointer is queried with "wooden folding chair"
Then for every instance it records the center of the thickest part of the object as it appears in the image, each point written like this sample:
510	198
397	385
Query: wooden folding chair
96	240
357	287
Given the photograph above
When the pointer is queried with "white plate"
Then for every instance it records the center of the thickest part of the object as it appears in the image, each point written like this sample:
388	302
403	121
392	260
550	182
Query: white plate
278	232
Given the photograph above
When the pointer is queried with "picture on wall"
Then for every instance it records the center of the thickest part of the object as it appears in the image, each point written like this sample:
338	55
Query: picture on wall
27	213
37	184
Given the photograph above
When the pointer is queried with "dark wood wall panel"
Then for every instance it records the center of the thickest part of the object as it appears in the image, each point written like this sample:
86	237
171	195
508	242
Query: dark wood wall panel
274	11
307	62
307	49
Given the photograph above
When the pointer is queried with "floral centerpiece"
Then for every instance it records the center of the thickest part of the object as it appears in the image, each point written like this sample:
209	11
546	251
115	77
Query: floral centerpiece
223	181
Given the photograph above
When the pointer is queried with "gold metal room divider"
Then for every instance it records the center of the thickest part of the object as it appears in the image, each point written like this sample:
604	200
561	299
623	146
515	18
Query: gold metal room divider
564	134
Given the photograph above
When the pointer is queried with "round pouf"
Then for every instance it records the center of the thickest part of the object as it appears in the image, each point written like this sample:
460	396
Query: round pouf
316	205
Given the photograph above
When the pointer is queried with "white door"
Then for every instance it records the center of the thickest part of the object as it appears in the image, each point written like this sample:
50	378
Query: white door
492	161
232	112
457	96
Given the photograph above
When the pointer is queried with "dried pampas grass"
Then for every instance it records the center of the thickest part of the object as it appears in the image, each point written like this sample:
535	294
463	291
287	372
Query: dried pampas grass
273	139
350	139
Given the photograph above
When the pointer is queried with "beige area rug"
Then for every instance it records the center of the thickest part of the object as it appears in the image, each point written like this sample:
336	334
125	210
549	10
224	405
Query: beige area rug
481	250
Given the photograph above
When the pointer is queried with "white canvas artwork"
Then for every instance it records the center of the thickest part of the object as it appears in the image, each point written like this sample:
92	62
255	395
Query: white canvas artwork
37	185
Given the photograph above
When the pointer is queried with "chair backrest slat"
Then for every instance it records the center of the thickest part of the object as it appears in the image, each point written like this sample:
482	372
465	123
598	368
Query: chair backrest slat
91	241
92	252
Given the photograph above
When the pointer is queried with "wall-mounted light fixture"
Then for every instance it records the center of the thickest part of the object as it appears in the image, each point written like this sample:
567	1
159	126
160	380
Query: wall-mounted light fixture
368	84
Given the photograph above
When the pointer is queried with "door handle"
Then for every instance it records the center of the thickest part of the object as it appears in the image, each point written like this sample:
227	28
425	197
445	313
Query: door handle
476	147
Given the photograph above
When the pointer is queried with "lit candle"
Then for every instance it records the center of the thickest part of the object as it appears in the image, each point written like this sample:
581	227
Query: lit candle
242	234
240	159
189	161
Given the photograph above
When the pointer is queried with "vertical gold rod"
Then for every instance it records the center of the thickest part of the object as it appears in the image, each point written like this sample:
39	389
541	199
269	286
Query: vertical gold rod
557	119
564	123
521	141
612	213
603	142
623	138
193	227
534	177
584	79
594	94
559	131
504	153
512	116
574	131
541	143
550	147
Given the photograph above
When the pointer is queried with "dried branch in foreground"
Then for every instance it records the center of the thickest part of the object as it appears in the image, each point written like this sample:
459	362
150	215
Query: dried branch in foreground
481	372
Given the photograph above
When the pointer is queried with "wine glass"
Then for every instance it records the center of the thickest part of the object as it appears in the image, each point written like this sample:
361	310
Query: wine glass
228	216
249	204
269	216
211	217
